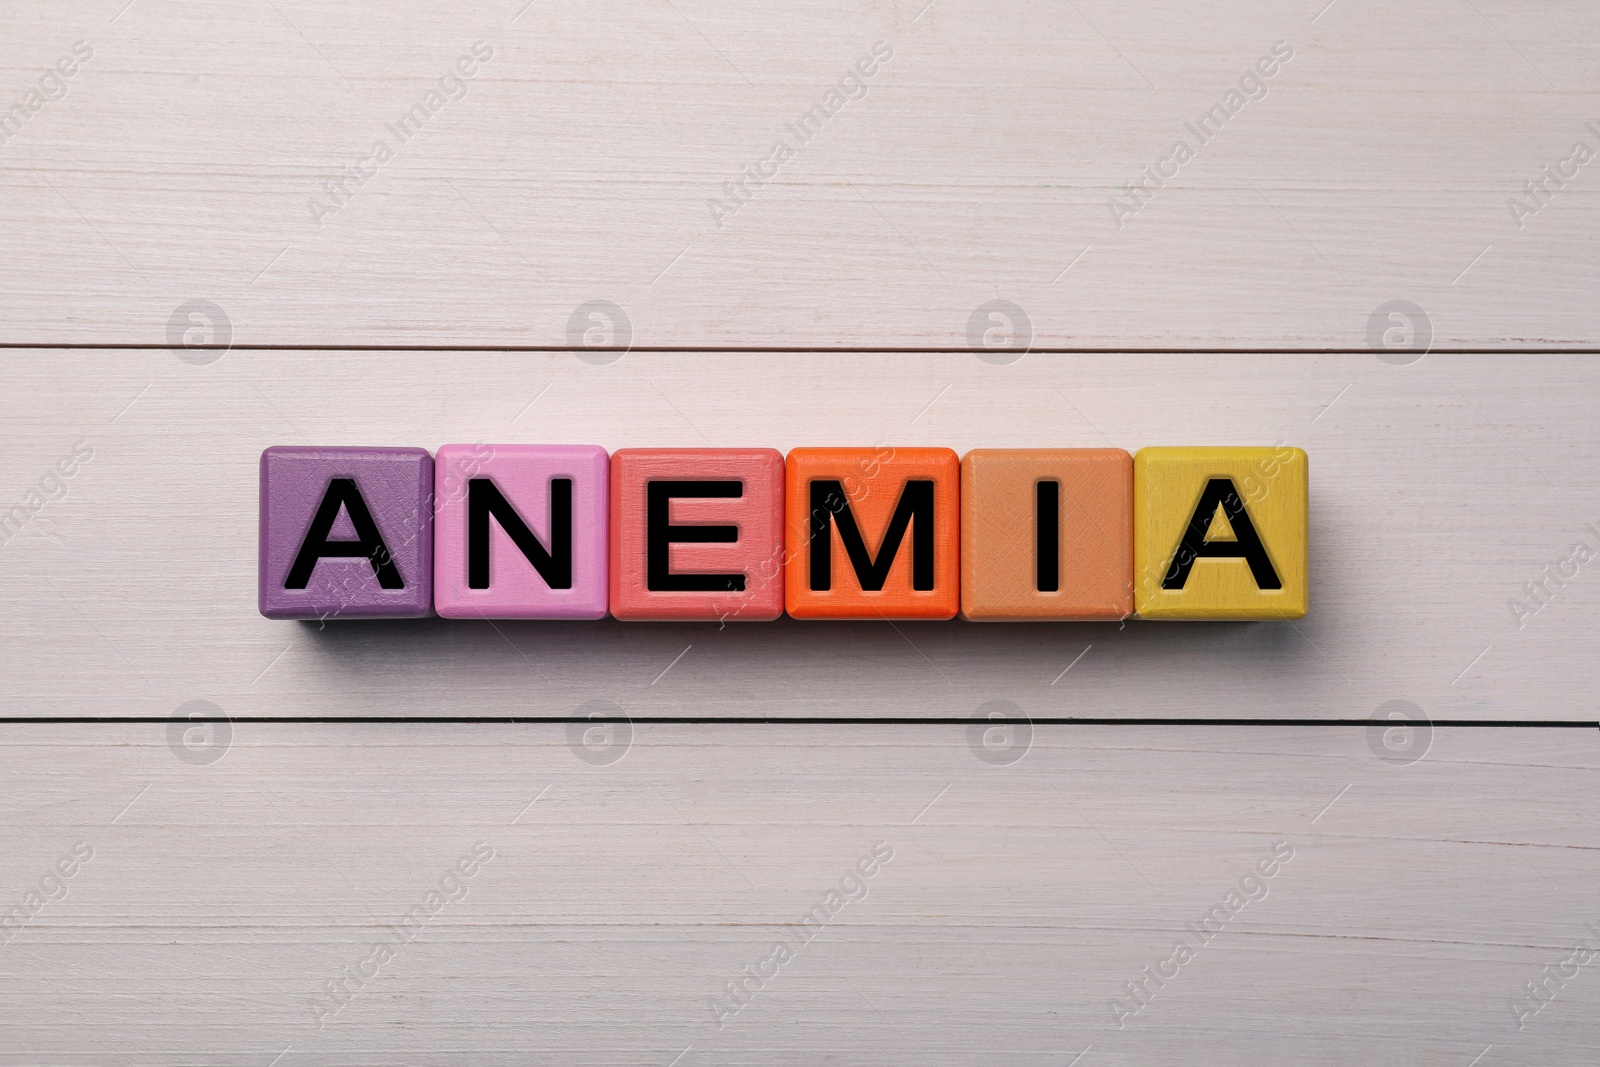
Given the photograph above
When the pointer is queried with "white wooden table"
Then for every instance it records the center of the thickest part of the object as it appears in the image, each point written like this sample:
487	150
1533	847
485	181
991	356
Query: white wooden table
224	876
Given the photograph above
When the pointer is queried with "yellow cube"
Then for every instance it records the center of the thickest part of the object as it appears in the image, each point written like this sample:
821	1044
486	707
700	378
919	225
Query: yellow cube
1219	533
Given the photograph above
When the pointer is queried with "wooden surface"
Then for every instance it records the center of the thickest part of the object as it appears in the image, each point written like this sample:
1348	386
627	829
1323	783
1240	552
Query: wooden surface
1037	868
1438	491
635	869
978	165
1020	899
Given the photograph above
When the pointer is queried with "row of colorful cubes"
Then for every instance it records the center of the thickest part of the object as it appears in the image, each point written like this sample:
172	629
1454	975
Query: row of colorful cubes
496	531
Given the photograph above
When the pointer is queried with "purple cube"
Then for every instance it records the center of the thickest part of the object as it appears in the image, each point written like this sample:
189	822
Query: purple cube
346	533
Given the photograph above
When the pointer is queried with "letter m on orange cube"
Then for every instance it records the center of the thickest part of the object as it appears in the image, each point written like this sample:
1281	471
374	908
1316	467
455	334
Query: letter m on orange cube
873	533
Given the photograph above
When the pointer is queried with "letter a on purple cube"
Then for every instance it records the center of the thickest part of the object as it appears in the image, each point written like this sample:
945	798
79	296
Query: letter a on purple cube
346	533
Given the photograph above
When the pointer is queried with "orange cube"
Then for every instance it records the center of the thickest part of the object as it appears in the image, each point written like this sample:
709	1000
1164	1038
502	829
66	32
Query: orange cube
1046	534
873	533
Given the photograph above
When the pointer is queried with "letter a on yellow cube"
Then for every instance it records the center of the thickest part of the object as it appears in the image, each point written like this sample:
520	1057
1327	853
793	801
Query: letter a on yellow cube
1219	533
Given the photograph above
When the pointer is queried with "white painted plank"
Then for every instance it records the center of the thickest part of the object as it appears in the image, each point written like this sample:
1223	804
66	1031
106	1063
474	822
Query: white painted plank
1019	900
1438	491
978	165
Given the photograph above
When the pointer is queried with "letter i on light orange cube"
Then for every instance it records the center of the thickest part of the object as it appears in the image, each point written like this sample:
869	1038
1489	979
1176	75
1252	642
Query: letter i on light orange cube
1046	534
873	533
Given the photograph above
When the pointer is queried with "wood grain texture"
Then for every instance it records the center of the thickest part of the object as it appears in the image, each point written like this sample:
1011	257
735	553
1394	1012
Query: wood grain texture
1442	490
578	188
1037	869
976	164
622	898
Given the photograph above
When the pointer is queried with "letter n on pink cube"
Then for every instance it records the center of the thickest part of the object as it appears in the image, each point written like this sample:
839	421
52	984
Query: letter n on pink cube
520	531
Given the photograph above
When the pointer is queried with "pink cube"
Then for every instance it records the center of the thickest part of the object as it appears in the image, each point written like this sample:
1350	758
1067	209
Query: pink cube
520	531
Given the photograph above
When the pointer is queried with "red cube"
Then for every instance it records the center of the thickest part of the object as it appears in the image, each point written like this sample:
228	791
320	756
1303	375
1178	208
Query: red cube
697	534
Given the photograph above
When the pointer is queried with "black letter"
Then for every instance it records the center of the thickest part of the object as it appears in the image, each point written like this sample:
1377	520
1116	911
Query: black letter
829	506
368	543
484	499
1047	539
660	535
1248	546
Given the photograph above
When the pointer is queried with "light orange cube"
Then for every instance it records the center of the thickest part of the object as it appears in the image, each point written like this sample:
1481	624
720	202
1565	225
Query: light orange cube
873	533
1046	534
